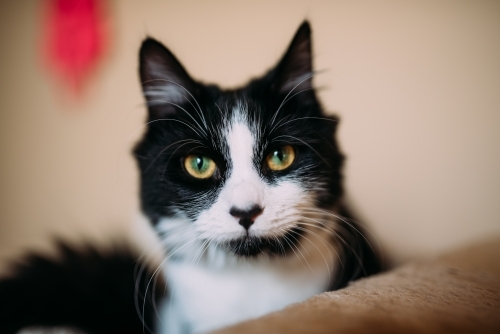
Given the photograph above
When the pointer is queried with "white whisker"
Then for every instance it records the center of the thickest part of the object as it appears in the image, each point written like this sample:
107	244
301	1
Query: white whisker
185	89
283	102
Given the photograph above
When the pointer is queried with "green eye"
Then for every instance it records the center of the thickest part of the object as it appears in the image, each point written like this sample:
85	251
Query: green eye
281	158
199	166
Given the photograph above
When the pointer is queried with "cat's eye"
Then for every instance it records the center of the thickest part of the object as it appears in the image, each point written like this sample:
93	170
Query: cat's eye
199	166
281	158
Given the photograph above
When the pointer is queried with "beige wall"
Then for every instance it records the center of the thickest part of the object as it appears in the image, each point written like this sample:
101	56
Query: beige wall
417	85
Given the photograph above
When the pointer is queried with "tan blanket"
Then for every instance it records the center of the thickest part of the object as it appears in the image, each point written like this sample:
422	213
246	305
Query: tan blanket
458	292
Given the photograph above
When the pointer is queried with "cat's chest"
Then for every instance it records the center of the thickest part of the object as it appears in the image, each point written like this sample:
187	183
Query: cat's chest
204	298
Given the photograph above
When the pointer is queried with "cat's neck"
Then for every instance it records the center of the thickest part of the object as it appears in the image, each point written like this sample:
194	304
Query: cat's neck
211	288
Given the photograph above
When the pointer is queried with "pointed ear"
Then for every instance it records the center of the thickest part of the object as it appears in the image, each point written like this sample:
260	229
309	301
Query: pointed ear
165	83
295	68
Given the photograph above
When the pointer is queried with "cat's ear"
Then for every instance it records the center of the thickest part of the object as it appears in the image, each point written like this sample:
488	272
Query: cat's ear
165	82
295	68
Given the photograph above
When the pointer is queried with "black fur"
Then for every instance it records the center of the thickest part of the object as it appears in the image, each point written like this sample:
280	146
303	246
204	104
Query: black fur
359	257
96	291
85	288
252	246
300	122
178	127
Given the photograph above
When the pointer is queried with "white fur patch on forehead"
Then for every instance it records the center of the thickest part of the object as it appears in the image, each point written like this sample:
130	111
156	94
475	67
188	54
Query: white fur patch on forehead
244	185
239	113
241	144
240	139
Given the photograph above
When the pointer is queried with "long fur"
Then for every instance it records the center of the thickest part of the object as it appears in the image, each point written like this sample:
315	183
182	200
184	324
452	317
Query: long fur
94	290
296	239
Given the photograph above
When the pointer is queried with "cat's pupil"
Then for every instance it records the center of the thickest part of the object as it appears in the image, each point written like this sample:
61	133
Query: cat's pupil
199	162
279	154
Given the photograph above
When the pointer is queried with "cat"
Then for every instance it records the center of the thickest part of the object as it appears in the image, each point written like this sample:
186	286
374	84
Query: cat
244	190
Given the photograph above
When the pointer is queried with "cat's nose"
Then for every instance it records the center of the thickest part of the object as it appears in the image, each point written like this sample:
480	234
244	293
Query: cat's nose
247	217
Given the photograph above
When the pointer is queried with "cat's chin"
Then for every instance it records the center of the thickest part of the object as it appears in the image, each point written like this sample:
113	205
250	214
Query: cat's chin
253	246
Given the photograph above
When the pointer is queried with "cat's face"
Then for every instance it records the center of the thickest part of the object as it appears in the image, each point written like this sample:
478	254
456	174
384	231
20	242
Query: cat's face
244	168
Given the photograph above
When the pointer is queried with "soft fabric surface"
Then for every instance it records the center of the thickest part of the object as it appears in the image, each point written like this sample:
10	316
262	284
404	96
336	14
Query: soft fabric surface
458	292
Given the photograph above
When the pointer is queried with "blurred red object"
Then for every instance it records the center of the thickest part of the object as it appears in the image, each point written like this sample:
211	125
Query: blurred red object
75	40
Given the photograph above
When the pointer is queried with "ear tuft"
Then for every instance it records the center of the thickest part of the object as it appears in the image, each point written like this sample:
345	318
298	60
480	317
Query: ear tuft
164	81
295	68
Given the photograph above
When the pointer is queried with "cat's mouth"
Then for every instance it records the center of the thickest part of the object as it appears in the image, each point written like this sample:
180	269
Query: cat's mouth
251	246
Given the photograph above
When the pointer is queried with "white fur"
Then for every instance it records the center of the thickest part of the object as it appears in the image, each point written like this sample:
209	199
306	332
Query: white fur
244	187
209	298
171	93
211	288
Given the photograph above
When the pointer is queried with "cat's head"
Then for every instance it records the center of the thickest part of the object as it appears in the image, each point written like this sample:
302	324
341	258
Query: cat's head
243	168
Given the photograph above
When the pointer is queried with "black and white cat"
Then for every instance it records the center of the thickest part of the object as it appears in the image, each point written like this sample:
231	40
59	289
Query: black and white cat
243	188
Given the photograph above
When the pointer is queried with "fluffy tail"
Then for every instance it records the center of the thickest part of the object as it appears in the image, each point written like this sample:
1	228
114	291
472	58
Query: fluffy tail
86	289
